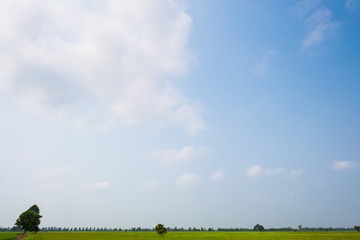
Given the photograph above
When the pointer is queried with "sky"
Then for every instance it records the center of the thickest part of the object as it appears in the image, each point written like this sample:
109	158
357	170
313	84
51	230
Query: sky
186	113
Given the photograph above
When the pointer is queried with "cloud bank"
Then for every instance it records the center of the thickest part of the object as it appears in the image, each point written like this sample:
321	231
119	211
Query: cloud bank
85	59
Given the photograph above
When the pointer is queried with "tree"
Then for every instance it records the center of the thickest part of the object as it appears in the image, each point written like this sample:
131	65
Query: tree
160	229
357	228
259	227
29	220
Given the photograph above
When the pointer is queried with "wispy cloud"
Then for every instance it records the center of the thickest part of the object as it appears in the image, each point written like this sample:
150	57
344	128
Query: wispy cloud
97	185
318	21
318	26
343	165
173	157
263	65
187	180
116	61
217	175
258	170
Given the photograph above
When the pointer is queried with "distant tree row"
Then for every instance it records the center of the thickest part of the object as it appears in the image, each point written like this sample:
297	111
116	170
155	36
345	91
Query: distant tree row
175	229
95	229
10	229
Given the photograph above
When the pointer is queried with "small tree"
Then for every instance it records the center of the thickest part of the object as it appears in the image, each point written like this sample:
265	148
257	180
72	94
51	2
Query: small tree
259	227
357	228
160	229
29	220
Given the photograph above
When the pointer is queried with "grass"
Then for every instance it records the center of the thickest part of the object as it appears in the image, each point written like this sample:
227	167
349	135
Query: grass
8	235
194	235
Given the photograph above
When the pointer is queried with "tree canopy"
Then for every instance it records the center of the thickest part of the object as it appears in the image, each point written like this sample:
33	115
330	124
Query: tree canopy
29	220
160	229
259	227
357	228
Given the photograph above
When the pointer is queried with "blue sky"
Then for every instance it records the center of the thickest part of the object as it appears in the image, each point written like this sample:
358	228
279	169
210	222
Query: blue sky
192	114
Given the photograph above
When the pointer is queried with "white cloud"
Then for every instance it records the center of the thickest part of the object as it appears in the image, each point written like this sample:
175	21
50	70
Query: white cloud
98	185
68	58
342	165
217	175
187	180
55	173
258	170
295	173
175	157
152	184
254	171
264	65
318	26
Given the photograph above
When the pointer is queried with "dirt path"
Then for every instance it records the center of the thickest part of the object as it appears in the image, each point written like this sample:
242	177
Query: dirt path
20	236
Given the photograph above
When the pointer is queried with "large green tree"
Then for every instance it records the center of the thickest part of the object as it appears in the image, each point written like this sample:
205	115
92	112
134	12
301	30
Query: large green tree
29	220
160	229
357	228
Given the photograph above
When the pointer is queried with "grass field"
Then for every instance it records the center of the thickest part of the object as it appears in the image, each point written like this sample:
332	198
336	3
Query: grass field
193	235
8	235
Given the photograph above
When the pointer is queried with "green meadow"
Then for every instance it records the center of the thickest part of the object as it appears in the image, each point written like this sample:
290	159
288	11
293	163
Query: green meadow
8	235
193	235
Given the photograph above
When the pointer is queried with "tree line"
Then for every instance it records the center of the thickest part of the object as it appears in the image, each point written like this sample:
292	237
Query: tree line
172	229
29	221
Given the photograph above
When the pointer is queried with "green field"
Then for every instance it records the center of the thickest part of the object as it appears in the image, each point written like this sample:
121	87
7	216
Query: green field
8	235
193	235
